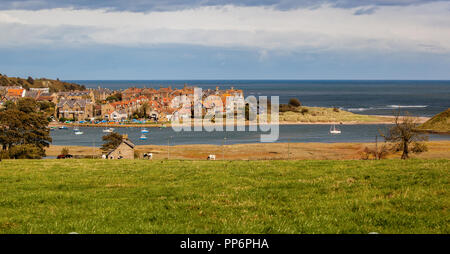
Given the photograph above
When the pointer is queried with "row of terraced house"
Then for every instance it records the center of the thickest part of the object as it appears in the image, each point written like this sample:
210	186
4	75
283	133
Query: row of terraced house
93	104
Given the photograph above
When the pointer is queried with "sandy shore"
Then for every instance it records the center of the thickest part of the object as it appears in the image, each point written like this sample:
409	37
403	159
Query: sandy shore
260	151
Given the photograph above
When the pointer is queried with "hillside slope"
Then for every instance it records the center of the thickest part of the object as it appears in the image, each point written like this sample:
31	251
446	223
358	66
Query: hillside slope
54	85
438	123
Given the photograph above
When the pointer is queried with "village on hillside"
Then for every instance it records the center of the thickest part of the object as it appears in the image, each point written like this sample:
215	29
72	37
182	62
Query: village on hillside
106	105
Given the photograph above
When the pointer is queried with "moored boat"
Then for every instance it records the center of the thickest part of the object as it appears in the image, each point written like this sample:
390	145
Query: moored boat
334	130
108	130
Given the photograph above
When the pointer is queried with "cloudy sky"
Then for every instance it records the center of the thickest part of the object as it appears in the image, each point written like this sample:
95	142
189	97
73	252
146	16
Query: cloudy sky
225	39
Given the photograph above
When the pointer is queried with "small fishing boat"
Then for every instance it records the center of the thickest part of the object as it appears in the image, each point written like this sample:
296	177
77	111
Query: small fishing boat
109	130
62	127
143	137
76	129
78	132
334	130
144	131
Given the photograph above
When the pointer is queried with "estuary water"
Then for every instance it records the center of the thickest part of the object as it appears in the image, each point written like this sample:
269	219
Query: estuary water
288	133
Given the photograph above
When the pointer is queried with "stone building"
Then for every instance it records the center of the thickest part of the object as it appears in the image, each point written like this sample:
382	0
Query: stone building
100	94
75	109
123	151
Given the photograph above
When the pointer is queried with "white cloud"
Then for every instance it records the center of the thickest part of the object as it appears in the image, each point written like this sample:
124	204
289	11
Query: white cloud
416	28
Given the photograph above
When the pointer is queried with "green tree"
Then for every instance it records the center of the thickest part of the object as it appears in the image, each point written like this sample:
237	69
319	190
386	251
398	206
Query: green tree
47	107
21	125
30	80
135	115
25	151
112	140
114	97
4	81
27	105
144	110
9	105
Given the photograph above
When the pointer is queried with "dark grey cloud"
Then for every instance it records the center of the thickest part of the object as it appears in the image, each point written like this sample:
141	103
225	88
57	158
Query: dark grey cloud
168	5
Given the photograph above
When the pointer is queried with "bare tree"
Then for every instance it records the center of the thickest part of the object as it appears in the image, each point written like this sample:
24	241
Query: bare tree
377	153
405	137
65	151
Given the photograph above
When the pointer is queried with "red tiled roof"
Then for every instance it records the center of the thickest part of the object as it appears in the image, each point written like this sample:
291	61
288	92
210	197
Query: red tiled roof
165	89
15	92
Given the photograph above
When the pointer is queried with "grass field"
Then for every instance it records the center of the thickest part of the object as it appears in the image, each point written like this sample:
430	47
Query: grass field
137	196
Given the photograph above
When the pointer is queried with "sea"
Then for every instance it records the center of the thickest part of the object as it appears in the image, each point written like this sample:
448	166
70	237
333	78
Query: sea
372	97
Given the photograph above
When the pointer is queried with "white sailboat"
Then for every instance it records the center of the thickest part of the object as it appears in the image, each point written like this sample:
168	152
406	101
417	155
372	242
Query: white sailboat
144	131
78	132
143	137
334	130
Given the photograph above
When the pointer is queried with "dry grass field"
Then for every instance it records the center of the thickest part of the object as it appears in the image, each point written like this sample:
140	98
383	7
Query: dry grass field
269	151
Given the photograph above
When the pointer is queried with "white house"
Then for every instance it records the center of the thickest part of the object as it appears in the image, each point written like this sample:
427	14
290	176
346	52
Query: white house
118	115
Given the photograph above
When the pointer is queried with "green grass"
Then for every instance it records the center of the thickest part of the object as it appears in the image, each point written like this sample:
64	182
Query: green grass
100	196
438	123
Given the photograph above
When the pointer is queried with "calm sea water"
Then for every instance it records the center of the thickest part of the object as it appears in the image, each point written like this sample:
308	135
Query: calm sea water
288	133
420	98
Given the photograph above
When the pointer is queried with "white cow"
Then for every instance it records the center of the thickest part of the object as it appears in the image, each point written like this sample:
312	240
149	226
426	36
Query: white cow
212	157
148	156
